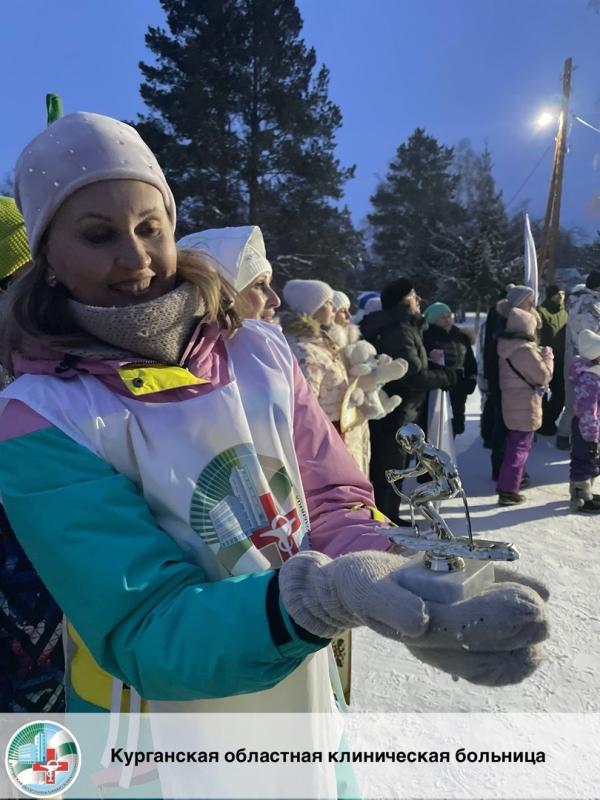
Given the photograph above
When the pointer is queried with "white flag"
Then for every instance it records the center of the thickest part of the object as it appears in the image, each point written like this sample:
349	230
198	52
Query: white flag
530	277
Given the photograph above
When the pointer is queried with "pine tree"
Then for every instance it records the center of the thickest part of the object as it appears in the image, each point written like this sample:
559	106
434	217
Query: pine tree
240	119
416	220
589	255
7	185
488	263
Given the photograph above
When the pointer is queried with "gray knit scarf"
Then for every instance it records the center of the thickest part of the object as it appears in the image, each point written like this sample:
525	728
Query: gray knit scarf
158	330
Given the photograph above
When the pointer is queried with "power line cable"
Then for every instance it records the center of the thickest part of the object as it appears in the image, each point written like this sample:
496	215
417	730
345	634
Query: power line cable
528	178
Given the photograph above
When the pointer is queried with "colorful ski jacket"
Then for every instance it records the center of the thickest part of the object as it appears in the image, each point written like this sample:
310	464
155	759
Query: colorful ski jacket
87	448
586	377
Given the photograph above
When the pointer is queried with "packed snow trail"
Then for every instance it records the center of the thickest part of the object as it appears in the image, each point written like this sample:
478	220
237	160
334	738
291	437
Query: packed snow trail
556	546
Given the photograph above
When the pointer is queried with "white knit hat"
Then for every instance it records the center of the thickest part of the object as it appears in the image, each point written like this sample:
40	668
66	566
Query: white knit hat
589	345
340	300
239	253
306	297
73	152
516	295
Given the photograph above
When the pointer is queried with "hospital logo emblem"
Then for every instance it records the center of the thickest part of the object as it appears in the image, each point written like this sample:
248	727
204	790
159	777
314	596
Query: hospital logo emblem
43	759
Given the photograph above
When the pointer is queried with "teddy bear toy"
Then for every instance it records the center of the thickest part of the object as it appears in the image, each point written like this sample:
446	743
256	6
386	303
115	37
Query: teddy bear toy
372	372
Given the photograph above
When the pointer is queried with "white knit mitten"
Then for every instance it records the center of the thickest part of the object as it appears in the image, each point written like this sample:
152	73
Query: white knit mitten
383	373
485	639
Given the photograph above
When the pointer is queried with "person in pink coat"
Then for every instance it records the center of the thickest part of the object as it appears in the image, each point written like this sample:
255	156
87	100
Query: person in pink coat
525	372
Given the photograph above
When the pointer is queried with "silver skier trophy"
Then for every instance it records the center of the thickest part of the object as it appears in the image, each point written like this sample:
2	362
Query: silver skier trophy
451	568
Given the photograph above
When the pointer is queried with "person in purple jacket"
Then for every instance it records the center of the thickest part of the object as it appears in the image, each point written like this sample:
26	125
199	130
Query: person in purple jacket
205	530
585	427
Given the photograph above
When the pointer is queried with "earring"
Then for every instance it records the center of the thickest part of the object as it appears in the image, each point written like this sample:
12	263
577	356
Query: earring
51	279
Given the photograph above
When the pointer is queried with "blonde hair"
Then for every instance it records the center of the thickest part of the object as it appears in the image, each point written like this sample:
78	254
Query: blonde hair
32	309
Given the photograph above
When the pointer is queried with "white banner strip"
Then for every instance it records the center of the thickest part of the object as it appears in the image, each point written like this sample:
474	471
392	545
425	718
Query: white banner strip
495	756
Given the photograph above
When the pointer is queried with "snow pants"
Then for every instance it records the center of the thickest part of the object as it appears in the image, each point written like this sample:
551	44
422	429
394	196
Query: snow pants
518	445
582	467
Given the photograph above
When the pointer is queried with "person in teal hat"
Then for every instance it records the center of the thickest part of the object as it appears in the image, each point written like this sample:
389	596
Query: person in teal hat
442	334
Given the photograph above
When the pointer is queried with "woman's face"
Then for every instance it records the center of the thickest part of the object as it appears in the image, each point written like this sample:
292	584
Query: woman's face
342	317
112	244
413	301
325	314
259	301
445	321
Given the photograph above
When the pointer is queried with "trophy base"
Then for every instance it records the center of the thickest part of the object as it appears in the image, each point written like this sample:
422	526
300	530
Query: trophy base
446	587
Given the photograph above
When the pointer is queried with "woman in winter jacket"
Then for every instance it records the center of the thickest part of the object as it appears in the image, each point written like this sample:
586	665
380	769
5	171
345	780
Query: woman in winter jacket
240	256
344	335
178	460
442	334
525	371
318	355
521	297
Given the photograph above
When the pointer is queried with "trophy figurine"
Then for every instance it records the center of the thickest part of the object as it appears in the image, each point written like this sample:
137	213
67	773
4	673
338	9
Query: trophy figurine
452	568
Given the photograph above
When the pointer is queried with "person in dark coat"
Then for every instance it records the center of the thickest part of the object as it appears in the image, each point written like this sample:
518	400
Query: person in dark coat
396	331
554	317
442	334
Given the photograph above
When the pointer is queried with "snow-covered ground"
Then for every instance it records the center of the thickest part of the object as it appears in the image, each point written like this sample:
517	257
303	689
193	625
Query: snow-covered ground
556	546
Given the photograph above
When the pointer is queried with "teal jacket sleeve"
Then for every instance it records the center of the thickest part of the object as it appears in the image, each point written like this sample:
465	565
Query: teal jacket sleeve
147	616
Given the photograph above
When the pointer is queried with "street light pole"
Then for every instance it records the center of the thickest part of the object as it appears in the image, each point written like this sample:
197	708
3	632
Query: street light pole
547	252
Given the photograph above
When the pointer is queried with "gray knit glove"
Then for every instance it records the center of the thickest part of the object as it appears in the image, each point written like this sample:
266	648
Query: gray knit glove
486	639
326	597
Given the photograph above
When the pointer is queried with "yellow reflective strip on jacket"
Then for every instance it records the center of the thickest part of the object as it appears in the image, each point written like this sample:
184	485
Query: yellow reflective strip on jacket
376	514
89	681
142	380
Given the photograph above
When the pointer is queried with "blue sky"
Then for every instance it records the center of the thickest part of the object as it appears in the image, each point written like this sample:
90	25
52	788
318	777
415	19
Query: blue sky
482	69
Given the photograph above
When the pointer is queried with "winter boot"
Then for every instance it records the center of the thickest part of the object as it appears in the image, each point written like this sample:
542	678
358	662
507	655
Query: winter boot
510	498
563	443
525	481
582	499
